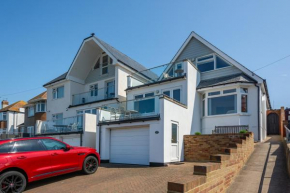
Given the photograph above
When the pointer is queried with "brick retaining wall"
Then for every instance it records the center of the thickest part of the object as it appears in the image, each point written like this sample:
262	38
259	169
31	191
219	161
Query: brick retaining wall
225	154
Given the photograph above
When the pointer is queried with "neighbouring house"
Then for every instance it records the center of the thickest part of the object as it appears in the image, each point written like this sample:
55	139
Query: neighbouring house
141	115
35	109
11	117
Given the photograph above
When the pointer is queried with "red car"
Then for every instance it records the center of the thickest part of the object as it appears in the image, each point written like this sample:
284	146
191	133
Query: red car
26	160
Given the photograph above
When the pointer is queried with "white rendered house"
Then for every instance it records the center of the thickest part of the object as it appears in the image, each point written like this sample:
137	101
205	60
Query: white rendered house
141	115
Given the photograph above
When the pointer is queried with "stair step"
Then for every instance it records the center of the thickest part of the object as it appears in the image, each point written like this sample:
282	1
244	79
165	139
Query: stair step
205	169
219	157
229	150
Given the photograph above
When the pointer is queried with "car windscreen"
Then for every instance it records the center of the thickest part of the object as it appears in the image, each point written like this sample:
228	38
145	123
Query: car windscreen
6	147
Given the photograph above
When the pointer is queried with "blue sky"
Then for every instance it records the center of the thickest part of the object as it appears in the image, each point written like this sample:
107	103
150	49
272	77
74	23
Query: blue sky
39	39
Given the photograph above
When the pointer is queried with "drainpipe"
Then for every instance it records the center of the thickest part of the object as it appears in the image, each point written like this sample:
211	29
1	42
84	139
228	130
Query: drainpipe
258	88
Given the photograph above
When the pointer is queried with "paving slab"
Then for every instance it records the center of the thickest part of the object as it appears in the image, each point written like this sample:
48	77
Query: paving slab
265	171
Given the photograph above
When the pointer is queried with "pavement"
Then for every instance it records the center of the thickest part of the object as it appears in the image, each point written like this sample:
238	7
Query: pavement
115	178
265	170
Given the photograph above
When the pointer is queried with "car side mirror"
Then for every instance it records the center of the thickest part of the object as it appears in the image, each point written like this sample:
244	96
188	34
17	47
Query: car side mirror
67	148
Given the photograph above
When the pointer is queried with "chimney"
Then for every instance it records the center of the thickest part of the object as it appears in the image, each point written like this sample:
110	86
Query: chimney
4	103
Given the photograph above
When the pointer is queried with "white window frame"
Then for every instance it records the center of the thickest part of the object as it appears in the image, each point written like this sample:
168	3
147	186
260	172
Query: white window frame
209	60
2	115
55	92
221	90
93	89
29	112
81	112
171	92
38	106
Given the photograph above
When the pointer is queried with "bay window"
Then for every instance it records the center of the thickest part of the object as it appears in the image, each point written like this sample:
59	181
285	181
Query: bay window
226	101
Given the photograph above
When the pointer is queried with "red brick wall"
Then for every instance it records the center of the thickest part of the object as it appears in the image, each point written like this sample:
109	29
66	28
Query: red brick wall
200	147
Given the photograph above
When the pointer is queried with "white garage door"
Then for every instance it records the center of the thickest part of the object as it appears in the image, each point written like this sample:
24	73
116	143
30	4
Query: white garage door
130	146
73	141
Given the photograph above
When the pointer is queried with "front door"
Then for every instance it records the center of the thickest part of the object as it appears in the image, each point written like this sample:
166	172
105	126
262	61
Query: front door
110	89
174	142
61	160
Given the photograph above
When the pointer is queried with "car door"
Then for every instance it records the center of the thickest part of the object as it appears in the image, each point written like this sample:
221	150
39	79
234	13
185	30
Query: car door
31	156
62	160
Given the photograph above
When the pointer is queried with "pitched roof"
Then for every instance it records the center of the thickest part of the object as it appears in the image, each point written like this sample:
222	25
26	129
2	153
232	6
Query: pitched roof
236	78
59	78
41	96
14	107
123	58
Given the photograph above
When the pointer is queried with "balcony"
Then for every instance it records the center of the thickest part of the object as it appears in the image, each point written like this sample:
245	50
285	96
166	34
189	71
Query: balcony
130	111
157	74
94	95
59	126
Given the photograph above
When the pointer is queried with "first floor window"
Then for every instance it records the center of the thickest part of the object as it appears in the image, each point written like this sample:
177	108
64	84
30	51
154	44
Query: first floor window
244	105
222	105
58	92
41	107
94	90
30	111
4	116
146	105
176	95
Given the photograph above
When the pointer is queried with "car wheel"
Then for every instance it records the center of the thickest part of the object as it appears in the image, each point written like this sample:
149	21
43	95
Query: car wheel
12	182
90	165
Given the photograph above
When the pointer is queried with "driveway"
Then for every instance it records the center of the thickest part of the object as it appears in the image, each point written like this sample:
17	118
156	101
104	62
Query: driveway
114	178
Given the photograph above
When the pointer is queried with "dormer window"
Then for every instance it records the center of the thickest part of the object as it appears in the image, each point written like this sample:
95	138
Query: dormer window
210	62
105	64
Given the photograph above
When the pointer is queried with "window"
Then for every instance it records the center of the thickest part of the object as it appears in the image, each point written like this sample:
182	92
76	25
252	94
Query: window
105	64
6	148
222	105
176	95
214	93
41	106
27	145
229	91
58	92
146	105
173	133
3	116
210	62
51	144
30	111
167	93
94	90
97	65
203	105
244	101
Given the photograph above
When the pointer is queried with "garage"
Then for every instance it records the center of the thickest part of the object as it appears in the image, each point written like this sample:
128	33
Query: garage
130	146
73	141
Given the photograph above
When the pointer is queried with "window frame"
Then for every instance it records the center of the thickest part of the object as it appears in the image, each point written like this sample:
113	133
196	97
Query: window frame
171	90
214	59
38	107
95	91
55	93
205	96
29	112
